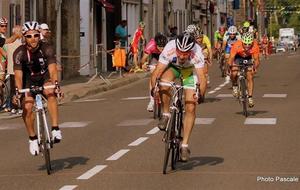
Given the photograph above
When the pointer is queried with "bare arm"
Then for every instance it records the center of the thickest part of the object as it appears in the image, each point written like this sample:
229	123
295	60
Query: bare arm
201	77
157	72
19	79
53	72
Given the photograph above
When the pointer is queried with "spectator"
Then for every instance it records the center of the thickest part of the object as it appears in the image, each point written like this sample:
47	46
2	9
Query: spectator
173	33
138	35
121	33
45	32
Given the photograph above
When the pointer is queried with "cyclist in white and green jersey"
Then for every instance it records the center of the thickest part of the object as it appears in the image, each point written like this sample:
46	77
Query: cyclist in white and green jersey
181	57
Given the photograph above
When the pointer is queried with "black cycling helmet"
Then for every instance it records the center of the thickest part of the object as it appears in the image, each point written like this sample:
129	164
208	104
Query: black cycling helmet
185	42
160	40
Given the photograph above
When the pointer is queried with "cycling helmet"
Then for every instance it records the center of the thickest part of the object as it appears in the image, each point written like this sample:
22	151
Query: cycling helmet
3	21
198	32
247	38
191	29
30	25
185	42
142	24
232	30
160	40
246	24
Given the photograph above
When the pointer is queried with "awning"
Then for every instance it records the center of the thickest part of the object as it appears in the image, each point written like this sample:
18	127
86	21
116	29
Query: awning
108	6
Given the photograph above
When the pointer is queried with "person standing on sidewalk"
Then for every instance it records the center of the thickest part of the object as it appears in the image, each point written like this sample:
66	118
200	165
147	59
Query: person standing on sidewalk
45	33
138	35
121	33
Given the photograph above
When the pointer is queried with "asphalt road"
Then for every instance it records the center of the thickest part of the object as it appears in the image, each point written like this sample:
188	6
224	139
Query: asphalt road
228	151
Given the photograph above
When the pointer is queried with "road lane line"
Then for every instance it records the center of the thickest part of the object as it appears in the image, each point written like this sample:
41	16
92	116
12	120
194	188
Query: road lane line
204	121
90	100
135	122
68	187
153	131
92	172
136	98
74	124
224	96
211	92
260	121
118	154
138	141
274	95
218	88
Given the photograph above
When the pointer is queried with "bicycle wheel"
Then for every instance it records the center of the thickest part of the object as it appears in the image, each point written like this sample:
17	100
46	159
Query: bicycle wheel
4	94
177	139
45	146
168	141
157	109
244	96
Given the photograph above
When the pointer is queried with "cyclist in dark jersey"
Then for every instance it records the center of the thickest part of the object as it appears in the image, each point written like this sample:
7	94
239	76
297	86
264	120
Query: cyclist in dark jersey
35	64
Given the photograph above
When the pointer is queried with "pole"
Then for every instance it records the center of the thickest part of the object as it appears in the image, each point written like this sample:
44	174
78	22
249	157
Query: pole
141	10
58	36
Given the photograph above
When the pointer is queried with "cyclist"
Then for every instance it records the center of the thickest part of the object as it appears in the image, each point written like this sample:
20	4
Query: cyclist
218	42
153	49
204	43
35	64
231	36
139	34
181	57
246	48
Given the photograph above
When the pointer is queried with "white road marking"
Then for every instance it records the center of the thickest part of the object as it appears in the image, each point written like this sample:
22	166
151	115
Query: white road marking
153	131
224	96
260	121
204	121
211	92
92	172
8	116
218	88
118	154
222	85
90	100
68	187
135	122
136	98
274	95
138	141
74	124
11	126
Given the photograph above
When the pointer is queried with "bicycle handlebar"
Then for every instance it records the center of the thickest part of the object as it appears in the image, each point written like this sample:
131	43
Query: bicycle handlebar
36	88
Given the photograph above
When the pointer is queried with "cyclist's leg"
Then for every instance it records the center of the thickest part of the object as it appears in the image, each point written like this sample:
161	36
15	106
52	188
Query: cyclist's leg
233	77
52	104
152	66
28	115
250	82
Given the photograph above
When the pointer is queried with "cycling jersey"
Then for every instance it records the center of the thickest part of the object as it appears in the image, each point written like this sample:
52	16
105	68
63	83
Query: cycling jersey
34	65
2	41
151	48
238	50
135	40
218	37
169	57
205	45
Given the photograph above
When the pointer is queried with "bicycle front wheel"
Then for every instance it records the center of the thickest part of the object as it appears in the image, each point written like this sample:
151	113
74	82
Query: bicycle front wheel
244	96
45	146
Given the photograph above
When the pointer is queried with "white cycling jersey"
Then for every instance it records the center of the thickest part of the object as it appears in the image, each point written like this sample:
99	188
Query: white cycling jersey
168	56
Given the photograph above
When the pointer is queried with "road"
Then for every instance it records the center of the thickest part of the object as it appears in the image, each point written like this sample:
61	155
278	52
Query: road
110	140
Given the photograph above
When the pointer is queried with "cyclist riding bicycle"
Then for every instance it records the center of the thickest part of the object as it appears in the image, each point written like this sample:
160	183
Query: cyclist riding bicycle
204	43
35	65
181	57
134	48
153	49
218	37
231	36
246	48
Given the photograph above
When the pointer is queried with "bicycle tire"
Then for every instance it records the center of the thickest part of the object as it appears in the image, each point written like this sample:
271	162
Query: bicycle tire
45	147
244	96
176	144
4	95
157	109
168	141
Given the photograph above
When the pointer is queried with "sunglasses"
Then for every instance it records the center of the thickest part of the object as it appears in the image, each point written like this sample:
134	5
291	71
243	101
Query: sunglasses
32	36
3	26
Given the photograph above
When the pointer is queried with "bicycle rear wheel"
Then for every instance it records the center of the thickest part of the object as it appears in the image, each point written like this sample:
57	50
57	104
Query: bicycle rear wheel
169	136
157	109
244	96
45	146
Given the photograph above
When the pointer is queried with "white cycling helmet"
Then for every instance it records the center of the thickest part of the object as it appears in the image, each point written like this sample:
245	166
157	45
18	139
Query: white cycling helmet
232	30
191	29
31	25
3	21
185	42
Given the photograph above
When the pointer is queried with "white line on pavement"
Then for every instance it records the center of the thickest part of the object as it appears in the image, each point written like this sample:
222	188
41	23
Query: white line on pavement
260	121
68	187
218	88
204	121
92	172
138	141
274	95
90	100
118	154
136	98
224	96
74	124
211	92
153	131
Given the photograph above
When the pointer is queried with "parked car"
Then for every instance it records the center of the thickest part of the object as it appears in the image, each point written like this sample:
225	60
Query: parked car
280	48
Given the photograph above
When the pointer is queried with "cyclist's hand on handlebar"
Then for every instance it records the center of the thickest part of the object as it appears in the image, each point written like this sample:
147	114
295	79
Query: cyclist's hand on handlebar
198	97
16	99
59	93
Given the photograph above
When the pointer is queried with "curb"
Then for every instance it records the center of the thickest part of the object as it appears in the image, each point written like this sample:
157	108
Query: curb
83	90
